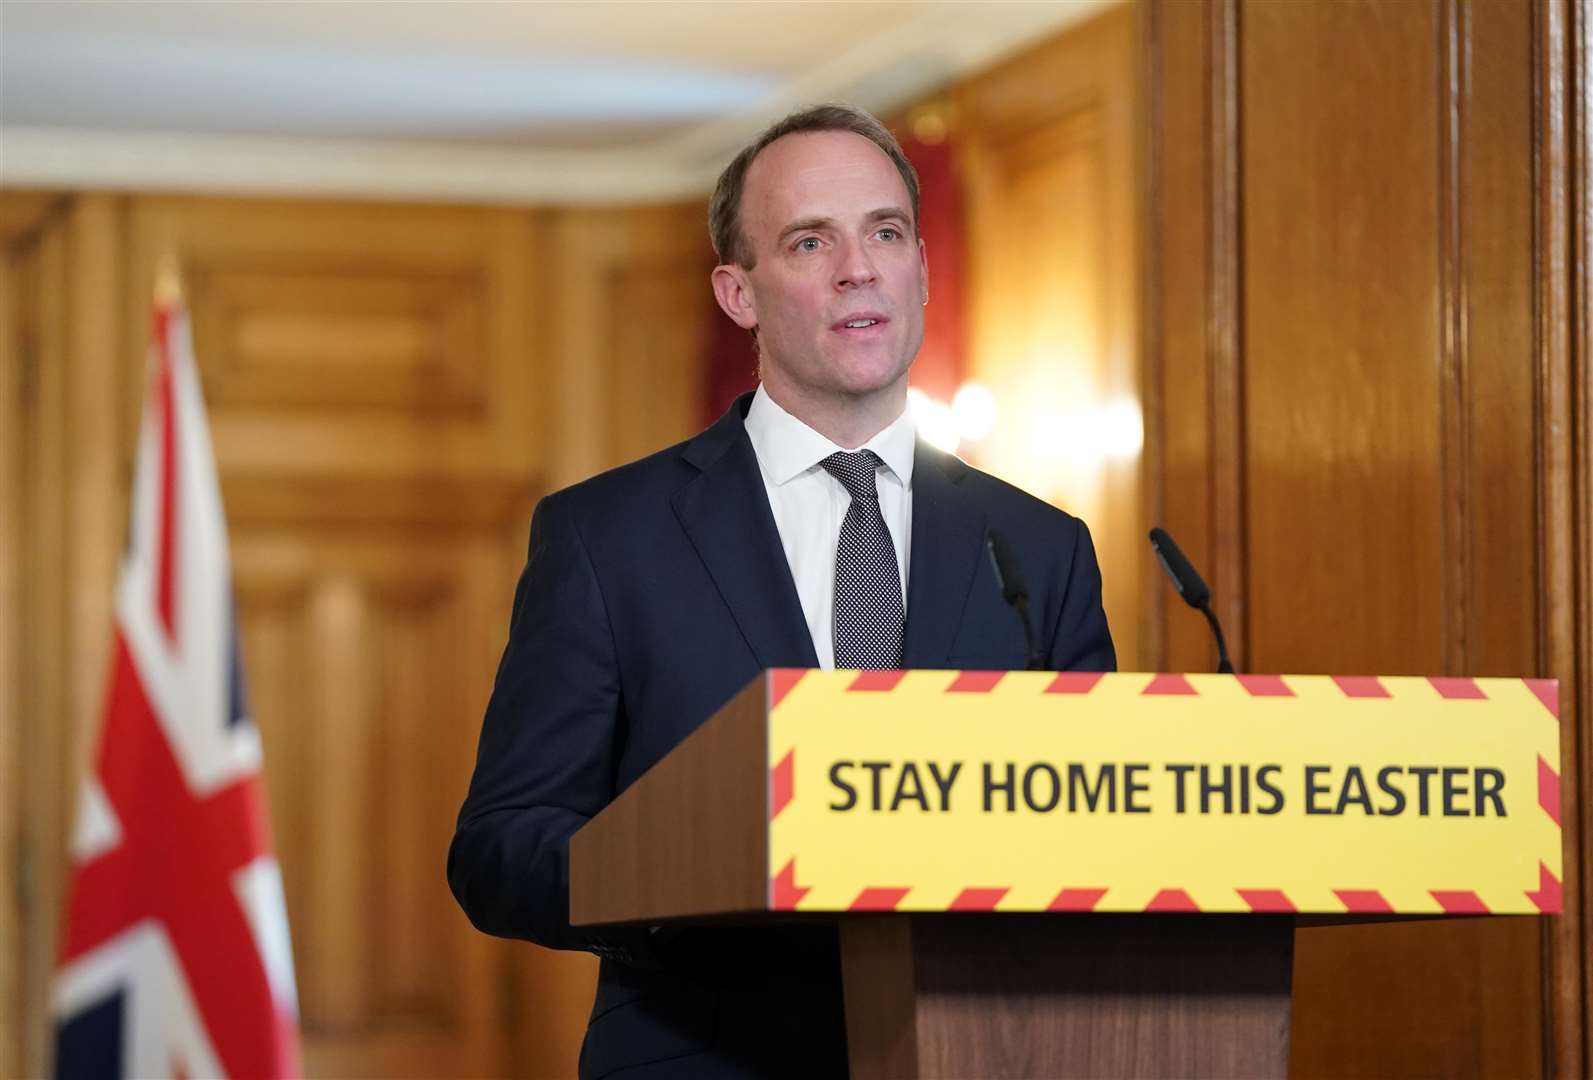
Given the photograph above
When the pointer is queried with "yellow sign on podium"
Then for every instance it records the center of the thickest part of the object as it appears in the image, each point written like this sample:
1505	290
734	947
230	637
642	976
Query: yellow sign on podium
1036	791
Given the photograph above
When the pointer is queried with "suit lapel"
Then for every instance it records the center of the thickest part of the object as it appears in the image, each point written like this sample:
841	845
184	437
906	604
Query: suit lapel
948	542
725	511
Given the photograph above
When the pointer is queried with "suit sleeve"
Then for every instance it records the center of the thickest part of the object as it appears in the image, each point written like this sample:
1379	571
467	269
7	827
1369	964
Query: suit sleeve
545	762
1080	640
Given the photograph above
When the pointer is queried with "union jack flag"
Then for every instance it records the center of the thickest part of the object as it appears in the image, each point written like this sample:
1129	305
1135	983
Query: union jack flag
175	959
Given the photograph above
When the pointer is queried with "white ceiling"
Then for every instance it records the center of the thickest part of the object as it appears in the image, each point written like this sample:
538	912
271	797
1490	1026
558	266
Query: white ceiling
457	99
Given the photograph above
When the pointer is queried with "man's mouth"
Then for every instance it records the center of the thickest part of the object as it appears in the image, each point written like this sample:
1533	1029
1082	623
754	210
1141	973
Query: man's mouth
860	321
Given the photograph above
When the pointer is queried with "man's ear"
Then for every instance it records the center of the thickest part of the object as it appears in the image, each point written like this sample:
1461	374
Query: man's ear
923	263
734	294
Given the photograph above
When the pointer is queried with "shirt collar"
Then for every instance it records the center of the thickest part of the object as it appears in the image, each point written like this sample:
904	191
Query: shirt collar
786	447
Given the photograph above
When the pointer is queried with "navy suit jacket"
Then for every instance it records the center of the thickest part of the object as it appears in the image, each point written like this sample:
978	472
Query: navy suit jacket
651	594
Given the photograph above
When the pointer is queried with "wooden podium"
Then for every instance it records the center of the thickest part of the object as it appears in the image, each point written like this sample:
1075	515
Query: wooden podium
963	991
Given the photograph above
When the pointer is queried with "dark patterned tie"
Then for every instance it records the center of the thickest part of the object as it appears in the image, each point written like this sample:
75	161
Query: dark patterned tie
868	586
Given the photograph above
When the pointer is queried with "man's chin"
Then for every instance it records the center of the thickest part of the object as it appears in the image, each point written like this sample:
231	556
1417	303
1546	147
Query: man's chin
869	389
857	378
870	380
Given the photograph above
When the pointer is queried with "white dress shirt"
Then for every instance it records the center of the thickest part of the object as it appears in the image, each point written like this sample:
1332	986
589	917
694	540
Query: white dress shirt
809	504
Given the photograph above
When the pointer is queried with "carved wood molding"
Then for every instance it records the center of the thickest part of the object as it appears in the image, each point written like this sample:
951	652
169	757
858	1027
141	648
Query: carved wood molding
1192	332
1454	52
23	211
1565	336
447	502
1225	310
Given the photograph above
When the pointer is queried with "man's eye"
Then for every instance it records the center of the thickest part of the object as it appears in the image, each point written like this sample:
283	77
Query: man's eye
808	243
889	233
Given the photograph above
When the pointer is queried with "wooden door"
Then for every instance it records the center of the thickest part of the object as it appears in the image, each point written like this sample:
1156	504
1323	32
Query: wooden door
1367	328
1048	148
368	647
373	403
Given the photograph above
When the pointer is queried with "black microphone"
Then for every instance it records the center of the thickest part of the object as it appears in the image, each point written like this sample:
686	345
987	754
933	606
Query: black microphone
1009	578
1192	587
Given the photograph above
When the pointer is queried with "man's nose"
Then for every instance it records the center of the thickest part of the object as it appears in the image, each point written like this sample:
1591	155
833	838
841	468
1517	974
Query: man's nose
853	267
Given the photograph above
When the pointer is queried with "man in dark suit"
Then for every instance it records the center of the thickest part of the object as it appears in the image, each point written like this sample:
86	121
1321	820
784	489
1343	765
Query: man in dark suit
806	528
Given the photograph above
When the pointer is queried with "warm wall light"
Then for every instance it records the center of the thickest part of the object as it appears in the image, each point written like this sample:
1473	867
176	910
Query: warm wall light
1085	436
974	409
970	417
934	420
1122	429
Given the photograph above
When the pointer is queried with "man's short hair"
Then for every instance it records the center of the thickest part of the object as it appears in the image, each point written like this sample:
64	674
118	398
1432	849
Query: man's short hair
724	211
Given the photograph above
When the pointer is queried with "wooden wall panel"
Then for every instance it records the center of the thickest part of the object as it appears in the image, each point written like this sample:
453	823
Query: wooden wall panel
373	339
355	644
12	702
69	278
629	334
24	217
1476	510
1492	484
1184	211
658	347
43	656
1394	181
330	337
1563	48
1342	407
1047	146
23	212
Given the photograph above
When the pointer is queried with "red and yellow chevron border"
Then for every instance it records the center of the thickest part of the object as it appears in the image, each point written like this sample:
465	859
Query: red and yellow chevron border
1030	791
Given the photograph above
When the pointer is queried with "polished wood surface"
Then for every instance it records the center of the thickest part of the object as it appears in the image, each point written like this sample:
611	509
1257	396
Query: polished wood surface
1046	144
1563	47
1341	368
359	642
690	837
1036	996
24	211
1183	329
1348	433
628	334
64	335
354	339
12	382
879	989
38	807
1393	485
